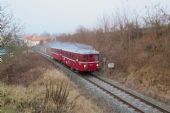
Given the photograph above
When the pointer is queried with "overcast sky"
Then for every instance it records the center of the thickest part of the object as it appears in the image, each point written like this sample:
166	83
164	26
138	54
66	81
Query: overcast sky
65	16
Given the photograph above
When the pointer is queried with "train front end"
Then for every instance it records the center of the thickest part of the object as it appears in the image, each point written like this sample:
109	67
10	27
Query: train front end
89	63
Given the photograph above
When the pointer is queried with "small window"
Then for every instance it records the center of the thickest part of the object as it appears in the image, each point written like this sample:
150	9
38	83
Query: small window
85	58
91	56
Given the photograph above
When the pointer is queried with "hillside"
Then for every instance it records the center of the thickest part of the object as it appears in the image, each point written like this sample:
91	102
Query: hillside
141	53
30	84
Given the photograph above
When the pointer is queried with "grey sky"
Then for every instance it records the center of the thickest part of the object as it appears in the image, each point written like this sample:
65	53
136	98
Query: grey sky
64	16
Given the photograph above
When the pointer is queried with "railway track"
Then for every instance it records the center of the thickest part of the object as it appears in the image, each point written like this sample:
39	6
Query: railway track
129	99
114	95
134	102
133	95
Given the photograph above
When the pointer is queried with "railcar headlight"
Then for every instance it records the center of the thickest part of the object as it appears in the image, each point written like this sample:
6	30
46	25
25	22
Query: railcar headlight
85	66
97	65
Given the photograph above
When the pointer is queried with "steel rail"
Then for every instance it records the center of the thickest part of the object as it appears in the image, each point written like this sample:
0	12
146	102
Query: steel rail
113	95
131	94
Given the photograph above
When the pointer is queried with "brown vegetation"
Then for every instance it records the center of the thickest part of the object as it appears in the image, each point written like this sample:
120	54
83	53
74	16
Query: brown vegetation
31	84
23	69
140	48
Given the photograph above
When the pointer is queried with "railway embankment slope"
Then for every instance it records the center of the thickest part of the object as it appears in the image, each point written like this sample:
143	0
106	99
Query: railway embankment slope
141	55
30	83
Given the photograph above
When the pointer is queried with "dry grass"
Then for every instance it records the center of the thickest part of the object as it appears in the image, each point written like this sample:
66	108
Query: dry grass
39	87
23	69
33	98
145	81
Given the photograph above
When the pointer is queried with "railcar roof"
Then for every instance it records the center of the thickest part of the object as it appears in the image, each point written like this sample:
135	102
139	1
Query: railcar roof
72	47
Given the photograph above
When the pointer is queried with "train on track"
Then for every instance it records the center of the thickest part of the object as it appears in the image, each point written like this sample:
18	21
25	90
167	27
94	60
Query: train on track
79	57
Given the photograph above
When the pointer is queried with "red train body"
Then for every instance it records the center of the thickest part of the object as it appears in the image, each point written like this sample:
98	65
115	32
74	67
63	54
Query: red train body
79	57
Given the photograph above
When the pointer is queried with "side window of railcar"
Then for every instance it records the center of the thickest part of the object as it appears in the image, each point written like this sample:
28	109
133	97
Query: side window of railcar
85	58
77	57
73	57
70	55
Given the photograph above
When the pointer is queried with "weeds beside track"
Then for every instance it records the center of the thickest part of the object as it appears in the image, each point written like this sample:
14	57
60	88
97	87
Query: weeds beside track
151	107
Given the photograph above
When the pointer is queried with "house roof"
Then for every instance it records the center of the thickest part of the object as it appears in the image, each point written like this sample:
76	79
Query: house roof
38	38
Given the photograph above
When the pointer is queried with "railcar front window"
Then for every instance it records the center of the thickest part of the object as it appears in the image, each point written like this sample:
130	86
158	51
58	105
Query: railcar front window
96	58
91	56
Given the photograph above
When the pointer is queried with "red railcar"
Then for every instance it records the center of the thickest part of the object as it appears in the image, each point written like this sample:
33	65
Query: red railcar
79	57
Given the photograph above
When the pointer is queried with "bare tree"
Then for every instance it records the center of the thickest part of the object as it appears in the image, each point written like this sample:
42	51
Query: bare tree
8	28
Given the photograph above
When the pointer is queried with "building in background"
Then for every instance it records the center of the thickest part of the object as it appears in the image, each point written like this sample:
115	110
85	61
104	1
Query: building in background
36	39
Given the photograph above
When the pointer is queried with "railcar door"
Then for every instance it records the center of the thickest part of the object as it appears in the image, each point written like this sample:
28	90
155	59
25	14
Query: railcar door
77	62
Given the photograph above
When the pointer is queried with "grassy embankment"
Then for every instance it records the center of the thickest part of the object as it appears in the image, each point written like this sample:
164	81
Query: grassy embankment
30	84
139	47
